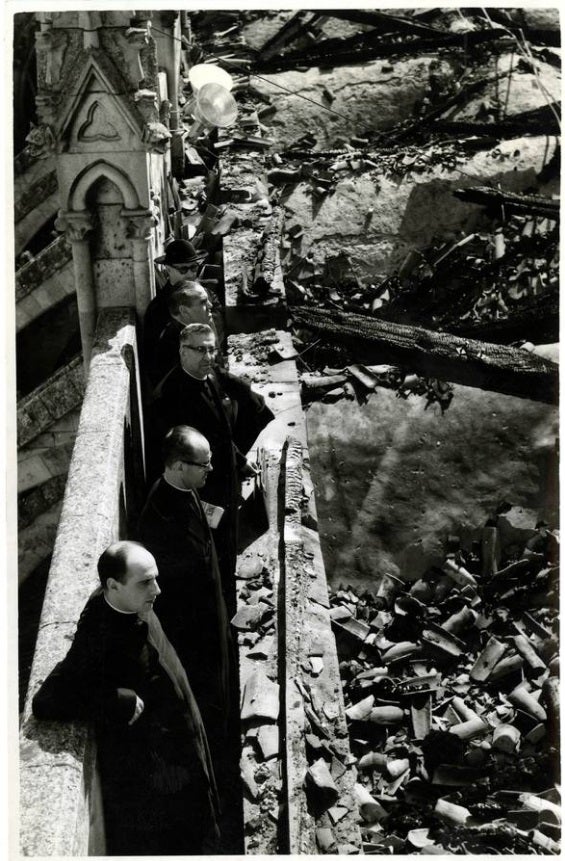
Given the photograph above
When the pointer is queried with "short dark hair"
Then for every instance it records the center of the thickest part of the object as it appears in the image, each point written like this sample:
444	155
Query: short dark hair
114	561
179	443
195	329
182	296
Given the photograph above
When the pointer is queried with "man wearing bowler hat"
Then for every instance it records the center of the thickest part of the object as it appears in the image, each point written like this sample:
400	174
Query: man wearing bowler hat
181	261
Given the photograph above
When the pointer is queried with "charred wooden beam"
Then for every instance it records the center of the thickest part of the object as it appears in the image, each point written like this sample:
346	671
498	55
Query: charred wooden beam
494	367
339	52
531	203
540	121
537	35
458	98
386	23
289	31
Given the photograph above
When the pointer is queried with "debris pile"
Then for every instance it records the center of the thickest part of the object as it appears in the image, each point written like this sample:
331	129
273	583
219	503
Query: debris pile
255	624
451	690
480	278
358	382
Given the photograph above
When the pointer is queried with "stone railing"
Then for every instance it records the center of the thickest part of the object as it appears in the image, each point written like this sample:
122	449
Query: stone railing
60	801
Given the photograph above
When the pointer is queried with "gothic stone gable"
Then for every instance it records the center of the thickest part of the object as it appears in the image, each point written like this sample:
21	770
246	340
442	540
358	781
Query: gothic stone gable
100	116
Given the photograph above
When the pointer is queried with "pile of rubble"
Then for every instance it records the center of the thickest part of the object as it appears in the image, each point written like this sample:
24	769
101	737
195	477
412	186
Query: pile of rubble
451	690
482	277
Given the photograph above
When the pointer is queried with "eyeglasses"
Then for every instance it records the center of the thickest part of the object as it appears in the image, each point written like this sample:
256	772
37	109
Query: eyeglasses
207	466
204	351
183	268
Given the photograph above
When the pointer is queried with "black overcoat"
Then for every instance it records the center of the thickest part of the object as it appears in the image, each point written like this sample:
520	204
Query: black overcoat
227	411
191	605
158	785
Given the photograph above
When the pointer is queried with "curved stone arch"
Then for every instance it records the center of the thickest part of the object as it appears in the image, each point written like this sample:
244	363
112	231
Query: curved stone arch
85	180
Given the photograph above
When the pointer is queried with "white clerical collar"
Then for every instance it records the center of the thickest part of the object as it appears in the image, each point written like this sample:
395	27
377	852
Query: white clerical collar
176	486
125	612
198	379
182	489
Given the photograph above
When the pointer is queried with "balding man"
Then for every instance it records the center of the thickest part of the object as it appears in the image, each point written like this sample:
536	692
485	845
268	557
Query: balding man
174	528
122	673
230	415
188	303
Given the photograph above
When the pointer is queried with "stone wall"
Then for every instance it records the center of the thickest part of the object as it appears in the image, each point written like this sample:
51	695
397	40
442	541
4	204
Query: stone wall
60	808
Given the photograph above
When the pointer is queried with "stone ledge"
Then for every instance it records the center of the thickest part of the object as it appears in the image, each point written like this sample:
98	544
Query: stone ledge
240	251
35	541
49	261
51	401
29	197
312	692
59	791
299	561
34	502
35	219
38	465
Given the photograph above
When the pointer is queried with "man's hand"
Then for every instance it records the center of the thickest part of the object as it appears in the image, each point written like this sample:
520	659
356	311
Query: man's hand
139	706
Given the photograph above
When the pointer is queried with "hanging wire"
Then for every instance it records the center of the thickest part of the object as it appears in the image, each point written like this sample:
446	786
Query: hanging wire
524	50
245	71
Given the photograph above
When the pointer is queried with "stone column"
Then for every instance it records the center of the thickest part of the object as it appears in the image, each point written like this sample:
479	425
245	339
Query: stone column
169	57
77	226
139	229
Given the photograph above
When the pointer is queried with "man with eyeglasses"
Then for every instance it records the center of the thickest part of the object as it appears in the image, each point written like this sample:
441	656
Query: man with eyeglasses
188	303
230	415
173	527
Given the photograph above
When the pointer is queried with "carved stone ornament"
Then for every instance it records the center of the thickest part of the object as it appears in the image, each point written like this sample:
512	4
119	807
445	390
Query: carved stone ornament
51	44
76	225
156	136
41	141
97	127
137	38
139	226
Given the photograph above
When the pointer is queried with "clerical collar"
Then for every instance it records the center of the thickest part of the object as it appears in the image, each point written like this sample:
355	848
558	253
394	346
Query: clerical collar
176	487
198	379
123	612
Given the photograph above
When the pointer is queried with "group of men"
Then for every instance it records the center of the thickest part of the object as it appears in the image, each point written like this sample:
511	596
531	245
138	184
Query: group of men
162	698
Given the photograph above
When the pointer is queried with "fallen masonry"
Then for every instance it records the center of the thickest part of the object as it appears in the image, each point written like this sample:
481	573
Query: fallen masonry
452	698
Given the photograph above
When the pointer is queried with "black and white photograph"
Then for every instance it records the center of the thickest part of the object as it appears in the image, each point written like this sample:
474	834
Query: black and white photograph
282	370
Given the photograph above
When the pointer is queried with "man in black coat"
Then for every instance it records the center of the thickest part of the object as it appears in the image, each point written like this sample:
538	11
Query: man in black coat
181	261
174	528
188	303
230	415
121	672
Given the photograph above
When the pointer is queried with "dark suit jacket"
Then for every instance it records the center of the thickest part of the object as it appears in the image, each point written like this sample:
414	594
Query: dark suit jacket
226	411
156	318
191	607
161	334
163	755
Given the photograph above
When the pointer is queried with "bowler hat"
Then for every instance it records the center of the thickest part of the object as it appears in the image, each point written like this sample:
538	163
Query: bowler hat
180	251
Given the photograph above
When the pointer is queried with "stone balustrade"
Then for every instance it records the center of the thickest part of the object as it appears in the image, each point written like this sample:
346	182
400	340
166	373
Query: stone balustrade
60	801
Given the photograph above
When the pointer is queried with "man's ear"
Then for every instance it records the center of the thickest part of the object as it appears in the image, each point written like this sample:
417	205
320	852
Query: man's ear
112	583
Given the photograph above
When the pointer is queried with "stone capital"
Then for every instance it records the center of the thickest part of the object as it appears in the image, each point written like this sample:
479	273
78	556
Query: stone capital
139	223
76	225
